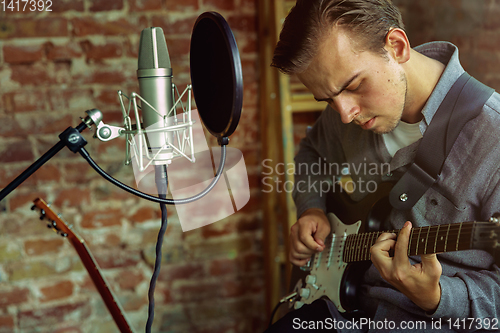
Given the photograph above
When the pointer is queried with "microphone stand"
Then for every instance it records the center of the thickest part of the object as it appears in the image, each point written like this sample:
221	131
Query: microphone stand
70	138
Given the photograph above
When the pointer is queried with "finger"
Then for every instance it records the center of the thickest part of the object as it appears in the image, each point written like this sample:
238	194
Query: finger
298	261
401	248
306	237
321	233
385	236
431	265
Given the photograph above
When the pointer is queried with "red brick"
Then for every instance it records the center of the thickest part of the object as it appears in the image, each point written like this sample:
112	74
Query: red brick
52	316
59	290
144	5
73	197
66	51
47	173
68	5
186	5
108	97
13	296
16	54
31	75
144	214
27	27
10	128
181	272
78	172
99	219
223	267
48	124
202	291
219	4
104	76
116	260
24	101
85	26
129	280
178	48
251	262
174	26
17	151
18	200
98	52
6	323
243	22
100	6
42	246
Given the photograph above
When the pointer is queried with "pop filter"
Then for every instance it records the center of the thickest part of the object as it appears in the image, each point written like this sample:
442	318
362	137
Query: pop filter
216	74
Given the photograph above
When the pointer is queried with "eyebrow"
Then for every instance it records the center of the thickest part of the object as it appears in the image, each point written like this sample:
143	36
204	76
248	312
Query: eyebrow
344	87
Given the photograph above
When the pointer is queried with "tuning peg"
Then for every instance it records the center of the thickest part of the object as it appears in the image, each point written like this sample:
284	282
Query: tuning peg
33	207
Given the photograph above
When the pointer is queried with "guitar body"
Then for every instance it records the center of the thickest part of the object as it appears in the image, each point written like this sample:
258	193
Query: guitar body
336	279
336	272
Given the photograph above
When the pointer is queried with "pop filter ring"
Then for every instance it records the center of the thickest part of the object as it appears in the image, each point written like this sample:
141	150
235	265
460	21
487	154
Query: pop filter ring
216	75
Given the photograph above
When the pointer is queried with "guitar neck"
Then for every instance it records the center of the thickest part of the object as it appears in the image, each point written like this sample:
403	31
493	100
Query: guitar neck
424	240
107	296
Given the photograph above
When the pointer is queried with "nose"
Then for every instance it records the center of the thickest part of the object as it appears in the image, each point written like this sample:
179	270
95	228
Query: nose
347	109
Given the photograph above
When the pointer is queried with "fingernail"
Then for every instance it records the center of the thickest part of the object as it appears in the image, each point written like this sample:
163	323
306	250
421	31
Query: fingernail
318	249
407	224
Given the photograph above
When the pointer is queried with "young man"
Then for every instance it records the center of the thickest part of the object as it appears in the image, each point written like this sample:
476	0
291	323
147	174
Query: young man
382	96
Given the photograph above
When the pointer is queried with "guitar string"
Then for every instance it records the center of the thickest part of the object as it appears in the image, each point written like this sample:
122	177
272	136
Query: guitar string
464	230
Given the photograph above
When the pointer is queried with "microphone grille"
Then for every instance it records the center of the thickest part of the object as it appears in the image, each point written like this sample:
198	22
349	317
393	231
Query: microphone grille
153	52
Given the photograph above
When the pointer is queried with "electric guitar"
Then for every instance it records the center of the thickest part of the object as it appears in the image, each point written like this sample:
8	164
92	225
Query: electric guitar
336	272
59	226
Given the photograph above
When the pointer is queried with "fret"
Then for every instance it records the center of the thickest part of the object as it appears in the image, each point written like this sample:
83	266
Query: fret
358	247
447	234
427	239
353	248
458	237
365	245
418	240
436	239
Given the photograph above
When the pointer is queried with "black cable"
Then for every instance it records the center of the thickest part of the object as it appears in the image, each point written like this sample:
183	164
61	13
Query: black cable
161	180
274	313
156	272
142	195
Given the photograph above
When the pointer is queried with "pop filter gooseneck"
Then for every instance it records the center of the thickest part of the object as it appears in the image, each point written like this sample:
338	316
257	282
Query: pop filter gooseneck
216	75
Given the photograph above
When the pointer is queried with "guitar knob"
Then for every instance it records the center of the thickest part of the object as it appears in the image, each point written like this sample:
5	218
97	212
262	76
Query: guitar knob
311	279
298	305
305	293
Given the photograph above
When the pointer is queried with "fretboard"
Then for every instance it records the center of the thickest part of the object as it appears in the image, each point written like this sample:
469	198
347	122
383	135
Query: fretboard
424	240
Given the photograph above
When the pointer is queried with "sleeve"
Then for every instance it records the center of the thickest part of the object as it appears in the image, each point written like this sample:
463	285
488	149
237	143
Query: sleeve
476	293
318	152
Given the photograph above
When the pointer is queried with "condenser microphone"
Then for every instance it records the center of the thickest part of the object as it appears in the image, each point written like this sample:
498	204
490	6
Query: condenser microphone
155	83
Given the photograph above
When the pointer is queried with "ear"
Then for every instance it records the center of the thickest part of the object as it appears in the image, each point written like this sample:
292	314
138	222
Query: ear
398	45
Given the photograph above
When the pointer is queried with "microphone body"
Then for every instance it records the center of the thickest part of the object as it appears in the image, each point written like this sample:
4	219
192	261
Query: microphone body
156	88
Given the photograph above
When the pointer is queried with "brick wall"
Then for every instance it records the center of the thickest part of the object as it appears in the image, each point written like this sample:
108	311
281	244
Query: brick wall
54	66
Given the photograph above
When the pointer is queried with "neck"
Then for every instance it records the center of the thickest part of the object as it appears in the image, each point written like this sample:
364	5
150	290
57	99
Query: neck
423	74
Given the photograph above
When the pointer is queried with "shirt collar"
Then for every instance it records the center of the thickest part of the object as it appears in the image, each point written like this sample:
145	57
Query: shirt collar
446	53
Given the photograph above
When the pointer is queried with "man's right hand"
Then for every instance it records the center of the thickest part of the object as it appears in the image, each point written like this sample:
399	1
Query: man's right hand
307	236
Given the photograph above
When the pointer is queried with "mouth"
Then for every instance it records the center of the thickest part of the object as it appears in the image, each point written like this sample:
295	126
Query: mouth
368	124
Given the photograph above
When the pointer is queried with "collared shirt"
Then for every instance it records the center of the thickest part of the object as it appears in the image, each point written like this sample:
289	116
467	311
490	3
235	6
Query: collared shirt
468	189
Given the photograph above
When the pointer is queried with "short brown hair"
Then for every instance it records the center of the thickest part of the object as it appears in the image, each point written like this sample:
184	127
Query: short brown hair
310	20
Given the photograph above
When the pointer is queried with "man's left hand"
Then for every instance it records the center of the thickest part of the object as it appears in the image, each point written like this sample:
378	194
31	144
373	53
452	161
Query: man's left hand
419	282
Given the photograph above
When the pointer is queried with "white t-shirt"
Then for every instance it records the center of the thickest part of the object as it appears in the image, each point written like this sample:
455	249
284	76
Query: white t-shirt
402	136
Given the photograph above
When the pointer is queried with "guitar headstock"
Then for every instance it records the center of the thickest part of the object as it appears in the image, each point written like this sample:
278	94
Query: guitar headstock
54	221
487	237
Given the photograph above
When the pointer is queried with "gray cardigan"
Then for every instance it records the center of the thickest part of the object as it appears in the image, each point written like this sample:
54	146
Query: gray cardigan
467	190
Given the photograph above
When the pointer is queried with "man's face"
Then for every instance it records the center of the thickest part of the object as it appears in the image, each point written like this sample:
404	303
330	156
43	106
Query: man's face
363	87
